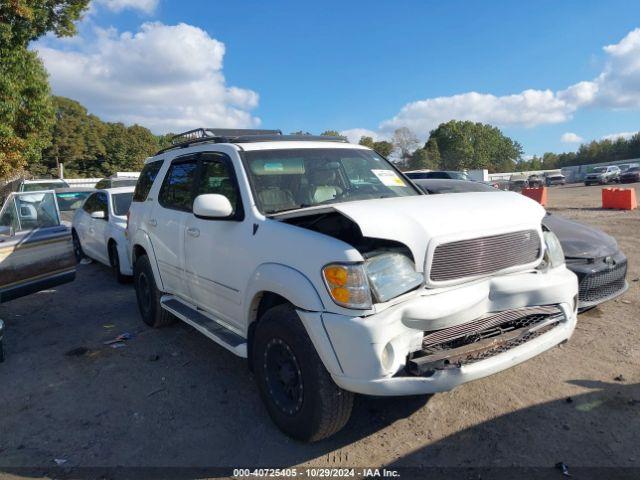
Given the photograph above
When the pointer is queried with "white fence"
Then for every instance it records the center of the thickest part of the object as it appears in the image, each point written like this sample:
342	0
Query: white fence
82	182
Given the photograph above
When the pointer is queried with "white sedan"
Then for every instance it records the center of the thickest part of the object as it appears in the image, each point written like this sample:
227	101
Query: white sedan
99	229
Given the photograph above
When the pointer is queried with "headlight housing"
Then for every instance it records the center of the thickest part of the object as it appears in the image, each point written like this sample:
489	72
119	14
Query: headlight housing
390	275
347	284
553	255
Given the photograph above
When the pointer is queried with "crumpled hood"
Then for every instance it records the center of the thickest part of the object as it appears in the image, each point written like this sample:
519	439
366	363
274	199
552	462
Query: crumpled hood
578	240
416	220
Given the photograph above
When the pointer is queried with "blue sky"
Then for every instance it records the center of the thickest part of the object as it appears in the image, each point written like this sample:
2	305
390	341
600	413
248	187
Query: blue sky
359	65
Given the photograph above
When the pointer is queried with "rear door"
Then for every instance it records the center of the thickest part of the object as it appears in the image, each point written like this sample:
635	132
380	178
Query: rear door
167	222
36	251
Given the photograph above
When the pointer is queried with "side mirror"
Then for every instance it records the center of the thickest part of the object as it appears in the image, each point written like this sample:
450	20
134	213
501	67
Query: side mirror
212	205
98	214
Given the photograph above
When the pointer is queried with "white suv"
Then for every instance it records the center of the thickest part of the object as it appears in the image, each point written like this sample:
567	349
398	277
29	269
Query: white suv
333	274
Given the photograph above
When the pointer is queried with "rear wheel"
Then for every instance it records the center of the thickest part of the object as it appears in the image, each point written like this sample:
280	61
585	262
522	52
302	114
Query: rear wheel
148	295
77	247
114	260
299	393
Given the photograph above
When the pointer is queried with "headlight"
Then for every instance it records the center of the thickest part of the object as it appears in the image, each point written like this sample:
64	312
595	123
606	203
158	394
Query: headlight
554	255
390	275
347	285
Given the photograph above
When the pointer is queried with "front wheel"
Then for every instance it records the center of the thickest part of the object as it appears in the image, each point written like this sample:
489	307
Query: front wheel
299	393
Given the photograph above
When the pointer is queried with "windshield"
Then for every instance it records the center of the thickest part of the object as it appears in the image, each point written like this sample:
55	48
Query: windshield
68	201
121	203
33	187
299	178
600	169
453	186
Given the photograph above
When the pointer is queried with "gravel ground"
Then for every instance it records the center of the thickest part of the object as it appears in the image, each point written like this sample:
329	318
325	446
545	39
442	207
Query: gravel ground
170	397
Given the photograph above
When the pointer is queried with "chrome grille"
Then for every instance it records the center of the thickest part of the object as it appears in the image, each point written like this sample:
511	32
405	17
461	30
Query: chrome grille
484	255
519	317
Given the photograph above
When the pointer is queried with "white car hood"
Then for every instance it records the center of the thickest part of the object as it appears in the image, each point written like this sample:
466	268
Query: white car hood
418	220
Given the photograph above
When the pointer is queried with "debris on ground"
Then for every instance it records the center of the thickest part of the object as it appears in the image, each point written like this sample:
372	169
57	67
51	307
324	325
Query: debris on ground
86	261
153	392
60	461
117	345
77	352
108	326
568	400
619	378
119	339
154	358
564	468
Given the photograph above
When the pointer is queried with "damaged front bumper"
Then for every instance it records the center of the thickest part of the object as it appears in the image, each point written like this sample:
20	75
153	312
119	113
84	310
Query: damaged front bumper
389	353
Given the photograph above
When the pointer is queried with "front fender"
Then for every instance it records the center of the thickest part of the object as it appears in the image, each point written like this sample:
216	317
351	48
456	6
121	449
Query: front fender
286	282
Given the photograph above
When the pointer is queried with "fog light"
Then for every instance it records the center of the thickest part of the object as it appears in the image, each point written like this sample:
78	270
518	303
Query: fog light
387	356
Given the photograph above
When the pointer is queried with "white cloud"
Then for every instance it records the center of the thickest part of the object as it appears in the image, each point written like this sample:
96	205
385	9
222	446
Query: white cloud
617	86
354	134
165	77
616	136
570	137
145	6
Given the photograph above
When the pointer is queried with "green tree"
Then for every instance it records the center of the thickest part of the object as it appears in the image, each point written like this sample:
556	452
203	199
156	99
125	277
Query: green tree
469	145
332	133
366	141
26	111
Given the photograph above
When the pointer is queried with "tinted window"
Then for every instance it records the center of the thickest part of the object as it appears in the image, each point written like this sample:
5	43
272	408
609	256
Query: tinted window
121	203
145	181
176	191
217	178
91	205
68	201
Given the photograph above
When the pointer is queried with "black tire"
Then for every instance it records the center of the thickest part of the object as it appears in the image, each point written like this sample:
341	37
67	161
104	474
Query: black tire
299	393
77	247
148	295
114	260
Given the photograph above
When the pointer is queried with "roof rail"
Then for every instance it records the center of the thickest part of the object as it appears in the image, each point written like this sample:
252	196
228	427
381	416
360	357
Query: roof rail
238	135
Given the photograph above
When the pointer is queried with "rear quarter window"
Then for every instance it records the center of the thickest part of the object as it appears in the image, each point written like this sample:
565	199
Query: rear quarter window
146	179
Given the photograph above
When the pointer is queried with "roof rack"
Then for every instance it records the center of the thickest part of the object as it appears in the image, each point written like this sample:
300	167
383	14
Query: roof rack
239	135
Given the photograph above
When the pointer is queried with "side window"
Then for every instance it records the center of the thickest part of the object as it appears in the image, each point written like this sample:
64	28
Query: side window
217	177
146	179
90	204
28	211
177	187
102	203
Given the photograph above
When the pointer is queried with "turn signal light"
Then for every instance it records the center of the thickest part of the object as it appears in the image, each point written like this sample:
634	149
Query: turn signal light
348	286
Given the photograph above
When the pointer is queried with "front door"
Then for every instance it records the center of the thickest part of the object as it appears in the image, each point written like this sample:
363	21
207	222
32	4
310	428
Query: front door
167	223
216	263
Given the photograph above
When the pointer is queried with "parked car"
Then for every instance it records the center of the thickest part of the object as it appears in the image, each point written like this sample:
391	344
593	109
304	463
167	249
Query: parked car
316	260
518	182
437	174
626	166
99	229
603	175
535	181
555	179
631	175
70	199
36	252
115	181
591	254
42	184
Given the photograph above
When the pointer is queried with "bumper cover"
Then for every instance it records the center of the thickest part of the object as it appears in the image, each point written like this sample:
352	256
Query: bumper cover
368	355
601	279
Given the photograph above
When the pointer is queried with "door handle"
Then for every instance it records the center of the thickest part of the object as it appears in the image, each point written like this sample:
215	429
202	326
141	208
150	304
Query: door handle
194	232
153	222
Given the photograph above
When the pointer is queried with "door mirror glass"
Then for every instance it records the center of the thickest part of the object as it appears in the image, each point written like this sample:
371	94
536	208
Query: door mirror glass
212	205
98	214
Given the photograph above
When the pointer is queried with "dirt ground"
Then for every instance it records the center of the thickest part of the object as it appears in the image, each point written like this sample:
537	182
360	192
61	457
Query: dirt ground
170	397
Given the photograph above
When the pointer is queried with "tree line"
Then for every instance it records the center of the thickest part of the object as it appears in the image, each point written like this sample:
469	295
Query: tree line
39	131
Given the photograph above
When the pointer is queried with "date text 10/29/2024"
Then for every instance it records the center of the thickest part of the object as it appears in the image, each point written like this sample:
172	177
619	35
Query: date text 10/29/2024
316	472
